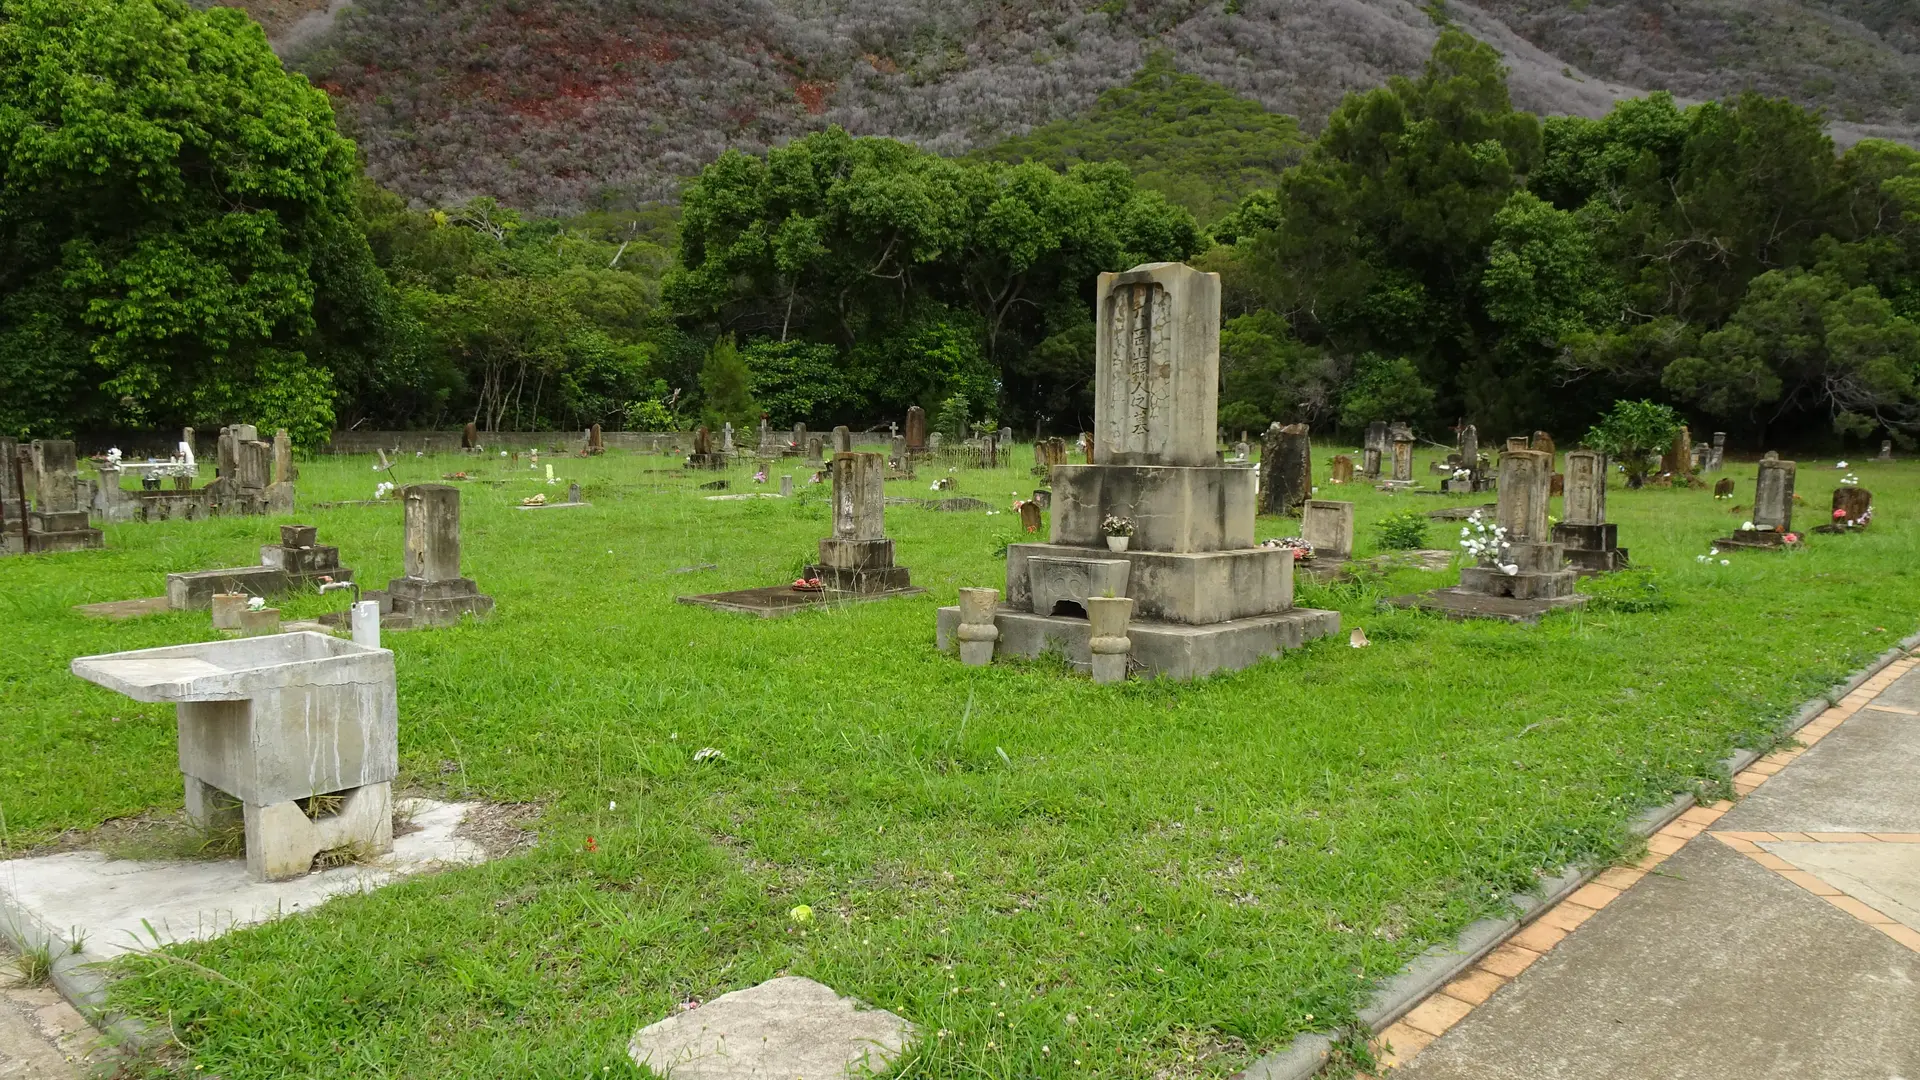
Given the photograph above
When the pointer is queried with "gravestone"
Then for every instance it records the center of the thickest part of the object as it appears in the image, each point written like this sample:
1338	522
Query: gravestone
1852	510
858	557
470	436
1204	597
799	441
1678	459
1030	514
1724	488
1591	541
916	430
1717	457
786	486
703	456
298	562
816	450
726	438
1373	454
596	443
1531	573
1342	469
1328	526
1006	437
1286	468
58	519
1401	437
280	493
13	499
842	440
935	441
1086	447
897	456
1772	518
1469	463
1543	442
1886	449
1242	451
432	592
1517	442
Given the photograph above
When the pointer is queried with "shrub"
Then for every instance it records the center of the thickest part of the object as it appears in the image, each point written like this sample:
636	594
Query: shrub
1402	530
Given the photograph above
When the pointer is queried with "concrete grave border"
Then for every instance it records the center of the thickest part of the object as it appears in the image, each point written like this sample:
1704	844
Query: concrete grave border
1440	965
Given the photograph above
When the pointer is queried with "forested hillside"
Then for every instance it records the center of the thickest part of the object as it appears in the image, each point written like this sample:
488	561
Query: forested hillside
566	104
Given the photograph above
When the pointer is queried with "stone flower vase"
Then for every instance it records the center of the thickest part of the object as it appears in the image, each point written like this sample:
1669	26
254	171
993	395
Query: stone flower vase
1109	646
1117	543
977	631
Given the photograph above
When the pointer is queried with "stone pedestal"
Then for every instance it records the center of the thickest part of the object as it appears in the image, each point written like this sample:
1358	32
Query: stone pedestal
295	736
58	519
976	631
1328	526
1107	644
1200	596
1591	543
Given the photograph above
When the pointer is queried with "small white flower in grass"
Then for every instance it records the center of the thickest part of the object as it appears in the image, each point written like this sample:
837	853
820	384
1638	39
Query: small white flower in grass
1713	551
709	753
1723	562
1700	558
611	804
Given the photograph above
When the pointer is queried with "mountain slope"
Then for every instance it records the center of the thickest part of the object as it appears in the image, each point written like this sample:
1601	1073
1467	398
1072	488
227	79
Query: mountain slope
559	104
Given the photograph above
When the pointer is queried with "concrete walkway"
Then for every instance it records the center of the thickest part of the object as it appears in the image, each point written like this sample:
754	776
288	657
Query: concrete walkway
1773	939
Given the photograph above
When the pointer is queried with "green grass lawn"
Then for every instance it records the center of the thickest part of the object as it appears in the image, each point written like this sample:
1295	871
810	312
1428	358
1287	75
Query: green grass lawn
1049	878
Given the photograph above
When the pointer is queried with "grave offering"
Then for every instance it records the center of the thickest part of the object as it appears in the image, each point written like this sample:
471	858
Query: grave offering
1772	524
856	562
294	737
1375	450
1521	575
703	456
1591	541
432	593
297	562
1286	469
1204	597
916	430
1852	510
57	518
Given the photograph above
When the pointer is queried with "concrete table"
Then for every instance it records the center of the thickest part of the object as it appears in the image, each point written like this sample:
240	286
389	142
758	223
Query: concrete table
294	735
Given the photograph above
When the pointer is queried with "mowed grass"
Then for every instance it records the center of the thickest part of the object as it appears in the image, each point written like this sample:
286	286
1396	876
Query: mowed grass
1047	877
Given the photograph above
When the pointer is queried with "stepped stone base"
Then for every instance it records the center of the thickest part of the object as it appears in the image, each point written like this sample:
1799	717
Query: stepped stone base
1196	588
1159	649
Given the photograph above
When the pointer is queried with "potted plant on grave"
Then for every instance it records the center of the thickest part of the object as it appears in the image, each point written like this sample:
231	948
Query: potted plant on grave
1118	530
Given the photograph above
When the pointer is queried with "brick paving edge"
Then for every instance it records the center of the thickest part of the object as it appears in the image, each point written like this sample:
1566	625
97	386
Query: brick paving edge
1441	964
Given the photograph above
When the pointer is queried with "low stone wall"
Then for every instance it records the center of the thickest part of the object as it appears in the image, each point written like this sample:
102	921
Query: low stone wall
445	442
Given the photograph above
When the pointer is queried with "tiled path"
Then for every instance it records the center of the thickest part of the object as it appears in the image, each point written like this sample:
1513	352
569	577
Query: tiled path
41	1036
1773	938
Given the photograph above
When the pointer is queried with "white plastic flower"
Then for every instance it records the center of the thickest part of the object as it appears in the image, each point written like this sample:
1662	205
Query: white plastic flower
1713	551
255	603
1746	526
1510	569
1723	562
1700	558
1840	465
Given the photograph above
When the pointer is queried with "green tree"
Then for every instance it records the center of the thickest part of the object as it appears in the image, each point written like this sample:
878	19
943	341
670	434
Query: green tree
1384	388
1268	375
725	383
177	235
1631	433
1191	140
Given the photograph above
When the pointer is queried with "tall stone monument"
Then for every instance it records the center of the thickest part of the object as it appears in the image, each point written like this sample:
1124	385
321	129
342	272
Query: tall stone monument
1286	469
1373	453
432	593
1772	507
858	557
1400	436
58	519
13	499
1204	597
916	430
1592	542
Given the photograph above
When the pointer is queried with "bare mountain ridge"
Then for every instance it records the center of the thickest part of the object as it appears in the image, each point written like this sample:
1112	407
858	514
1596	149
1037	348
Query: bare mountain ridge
555	105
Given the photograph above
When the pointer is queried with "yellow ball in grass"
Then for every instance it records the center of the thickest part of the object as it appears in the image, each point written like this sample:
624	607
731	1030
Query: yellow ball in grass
801	914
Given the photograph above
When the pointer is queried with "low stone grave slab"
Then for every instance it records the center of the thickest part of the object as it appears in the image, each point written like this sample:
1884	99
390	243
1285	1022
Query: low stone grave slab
789	1028
119	610
1458	603
1461	513
776	600
744	496
960	504
108	904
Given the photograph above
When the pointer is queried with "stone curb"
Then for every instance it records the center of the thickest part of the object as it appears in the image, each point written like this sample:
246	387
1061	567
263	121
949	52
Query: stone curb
1441	964
78	979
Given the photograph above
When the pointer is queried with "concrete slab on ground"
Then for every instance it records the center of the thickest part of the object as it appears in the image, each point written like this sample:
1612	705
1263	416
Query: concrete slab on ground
110	903
1866	781
1885	877
1711	968
784	1028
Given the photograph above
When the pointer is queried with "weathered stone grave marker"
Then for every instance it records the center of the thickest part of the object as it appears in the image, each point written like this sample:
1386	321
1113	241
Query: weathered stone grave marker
1772	518
1591	541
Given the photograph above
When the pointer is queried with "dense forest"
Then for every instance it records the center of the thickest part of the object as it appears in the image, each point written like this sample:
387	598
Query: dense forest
187	237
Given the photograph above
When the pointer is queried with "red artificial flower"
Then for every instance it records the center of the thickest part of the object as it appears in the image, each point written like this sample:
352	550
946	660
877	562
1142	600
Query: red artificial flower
591	846
1839	513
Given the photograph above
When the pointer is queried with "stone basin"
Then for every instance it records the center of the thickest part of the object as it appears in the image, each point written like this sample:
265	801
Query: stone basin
294	736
